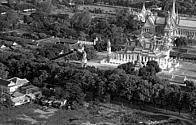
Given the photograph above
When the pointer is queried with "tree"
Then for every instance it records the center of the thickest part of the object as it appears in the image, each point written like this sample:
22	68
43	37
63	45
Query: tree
155	65
81	20
27	19
12	18
180	42
45	6
3	71
129	68
74	92
190	85
150	69
91	53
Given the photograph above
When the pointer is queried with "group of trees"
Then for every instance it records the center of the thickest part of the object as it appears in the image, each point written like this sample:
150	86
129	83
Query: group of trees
183	6
180	42
75	83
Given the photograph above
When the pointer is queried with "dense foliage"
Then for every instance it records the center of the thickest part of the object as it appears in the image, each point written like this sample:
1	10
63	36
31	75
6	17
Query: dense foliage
73	82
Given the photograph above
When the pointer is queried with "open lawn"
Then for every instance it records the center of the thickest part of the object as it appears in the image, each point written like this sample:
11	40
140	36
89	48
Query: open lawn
95	114
186	68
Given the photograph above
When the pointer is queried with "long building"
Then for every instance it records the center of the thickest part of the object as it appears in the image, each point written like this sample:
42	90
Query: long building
142	50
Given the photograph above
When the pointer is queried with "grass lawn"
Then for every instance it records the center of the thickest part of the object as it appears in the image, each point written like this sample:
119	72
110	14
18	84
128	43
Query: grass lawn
186	68
100	113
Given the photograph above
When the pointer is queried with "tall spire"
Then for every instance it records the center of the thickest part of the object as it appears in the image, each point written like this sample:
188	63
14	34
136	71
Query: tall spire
168	20
173	13
144	8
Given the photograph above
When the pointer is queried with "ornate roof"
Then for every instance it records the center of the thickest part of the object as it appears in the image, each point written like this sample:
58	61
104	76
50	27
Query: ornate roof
187	23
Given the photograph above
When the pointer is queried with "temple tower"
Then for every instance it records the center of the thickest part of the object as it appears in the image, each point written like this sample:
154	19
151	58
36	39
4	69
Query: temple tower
143	13
109	47
173	13
84	59
168	30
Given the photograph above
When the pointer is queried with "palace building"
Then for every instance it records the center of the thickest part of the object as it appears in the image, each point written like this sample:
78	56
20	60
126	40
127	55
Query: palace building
173	24
142	50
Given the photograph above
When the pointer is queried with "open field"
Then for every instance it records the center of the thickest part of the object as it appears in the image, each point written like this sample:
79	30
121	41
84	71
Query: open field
186	68
95	114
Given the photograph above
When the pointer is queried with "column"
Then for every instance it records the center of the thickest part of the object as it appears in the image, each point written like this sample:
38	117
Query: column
143	59
121	56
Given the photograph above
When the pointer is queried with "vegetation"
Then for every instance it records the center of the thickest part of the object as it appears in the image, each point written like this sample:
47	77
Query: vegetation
75	83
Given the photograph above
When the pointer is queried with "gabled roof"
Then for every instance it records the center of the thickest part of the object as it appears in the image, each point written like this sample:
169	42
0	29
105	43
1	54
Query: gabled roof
4	82
49	40
17	94
18	80
187	23
160	20
149	22
178	79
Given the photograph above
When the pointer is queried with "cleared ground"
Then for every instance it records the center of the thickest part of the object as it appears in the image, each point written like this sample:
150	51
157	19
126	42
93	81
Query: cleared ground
95	114
186	68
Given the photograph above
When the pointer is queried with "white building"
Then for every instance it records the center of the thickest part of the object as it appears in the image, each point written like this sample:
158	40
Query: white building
11	85
141	51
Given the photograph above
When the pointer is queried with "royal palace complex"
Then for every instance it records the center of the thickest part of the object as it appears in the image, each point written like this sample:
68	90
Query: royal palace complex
173	24
158	46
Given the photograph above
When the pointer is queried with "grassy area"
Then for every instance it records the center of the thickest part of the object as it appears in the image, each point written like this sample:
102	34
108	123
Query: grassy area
99	113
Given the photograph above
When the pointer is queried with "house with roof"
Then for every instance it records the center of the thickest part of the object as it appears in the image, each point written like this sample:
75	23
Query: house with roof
11	85
52	40
18	98
31	91
19	91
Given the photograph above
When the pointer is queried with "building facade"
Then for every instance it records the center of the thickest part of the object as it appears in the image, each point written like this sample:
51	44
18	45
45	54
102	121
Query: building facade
142	50
173	24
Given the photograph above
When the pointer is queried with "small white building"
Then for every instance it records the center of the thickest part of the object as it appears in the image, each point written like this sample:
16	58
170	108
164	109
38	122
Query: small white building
11	85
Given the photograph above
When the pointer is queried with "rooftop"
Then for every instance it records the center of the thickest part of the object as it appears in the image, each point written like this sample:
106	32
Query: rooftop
160	20
187	23
178	79
4	82
18	80
17	94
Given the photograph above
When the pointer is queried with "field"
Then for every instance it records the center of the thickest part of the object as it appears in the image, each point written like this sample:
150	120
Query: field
186	68
95	114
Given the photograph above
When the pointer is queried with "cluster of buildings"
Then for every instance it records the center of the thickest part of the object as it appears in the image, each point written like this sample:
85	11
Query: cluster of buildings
162	31
172	24
142	50
19	91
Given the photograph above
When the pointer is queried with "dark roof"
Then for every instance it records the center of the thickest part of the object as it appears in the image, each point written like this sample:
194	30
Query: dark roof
191	51
28	87
4	82
68	41
178	79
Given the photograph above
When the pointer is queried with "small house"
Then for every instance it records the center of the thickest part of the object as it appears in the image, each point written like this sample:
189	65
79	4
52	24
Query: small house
31	91
18	98
11	85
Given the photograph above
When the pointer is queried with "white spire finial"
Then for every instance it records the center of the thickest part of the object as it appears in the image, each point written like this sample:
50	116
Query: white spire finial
174	9
143	9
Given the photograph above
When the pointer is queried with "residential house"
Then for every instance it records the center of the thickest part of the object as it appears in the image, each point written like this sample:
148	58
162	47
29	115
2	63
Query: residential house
18	98
11	85
31	91
15	83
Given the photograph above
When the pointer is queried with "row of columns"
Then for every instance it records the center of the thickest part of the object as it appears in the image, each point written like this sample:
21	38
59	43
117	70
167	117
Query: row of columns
130	57
146	30
119	58
86	42
186	32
